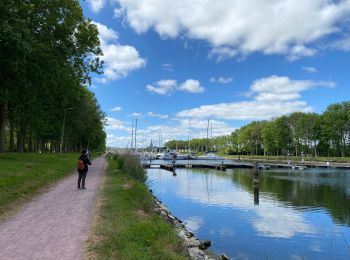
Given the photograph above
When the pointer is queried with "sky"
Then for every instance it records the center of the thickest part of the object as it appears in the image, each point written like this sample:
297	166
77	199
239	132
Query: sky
174	65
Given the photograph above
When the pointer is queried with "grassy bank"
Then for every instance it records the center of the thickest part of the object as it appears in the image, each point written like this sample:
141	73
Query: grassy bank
23	175
126	226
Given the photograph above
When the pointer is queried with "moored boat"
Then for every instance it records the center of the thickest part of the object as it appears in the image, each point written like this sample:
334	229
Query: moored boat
210	156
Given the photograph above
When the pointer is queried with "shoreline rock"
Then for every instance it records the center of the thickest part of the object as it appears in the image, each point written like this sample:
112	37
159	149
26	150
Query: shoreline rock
195	248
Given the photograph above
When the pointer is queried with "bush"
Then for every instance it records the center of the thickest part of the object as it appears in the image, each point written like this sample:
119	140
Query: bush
130	165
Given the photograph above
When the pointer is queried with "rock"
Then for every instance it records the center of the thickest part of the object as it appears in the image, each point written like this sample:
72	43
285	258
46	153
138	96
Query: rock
224	257
192	242
205	244
196	254
171	219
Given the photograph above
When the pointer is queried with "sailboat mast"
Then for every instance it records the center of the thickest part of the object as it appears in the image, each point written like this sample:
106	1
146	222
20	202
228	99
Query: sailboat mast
189	137
135	132
211	135
132	135
207	136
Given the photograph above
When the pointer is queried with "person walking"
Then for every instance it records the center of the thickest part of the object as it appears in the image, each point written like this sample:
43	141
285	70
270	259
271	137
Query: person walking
83	168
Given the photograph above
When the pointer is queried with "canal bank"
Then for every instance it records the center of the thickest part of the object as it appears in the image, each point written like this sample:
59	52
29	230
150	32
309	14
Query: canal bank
125	226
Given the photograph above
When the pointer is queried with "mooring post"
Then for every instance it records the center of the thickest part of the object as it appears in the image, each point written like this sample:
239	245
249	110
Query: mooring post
256	193
256	169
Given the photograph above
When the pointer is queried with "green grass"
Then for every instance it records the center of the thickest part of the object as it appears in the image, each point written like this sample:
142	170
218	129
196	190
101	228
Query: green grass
126	226
23	175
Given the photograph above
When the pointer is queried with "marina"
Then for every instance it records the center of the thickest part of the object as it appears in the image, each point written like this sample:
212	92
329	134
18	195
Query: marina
233	164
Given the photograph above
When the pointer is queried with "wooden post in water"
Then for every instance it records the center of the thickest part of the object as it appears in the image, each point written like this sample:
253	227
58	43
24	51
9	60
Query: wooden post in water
256	169
256	182
256	193
174	166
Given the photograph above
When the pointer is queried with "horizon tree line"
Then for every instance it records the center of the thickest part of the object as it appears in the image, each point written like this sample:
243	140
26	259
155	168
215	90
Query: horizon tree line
297	134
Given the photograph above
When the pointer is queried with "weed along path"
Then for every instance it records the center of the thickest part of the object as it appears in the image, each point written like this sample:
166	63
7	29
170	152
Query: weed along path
56	224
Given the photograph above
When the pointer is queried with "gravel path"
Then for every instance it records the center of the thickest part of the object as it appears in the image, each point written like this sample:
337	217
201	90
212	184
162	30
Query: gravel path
55	225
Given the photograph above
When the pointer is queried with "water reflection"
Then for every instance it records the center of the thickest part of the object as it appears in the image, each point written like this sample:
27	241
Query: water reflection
295	211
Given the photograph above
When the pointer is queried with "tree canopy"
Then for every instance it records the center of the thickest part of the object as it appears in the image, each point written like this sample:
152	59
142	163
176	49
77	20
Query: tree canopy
48	51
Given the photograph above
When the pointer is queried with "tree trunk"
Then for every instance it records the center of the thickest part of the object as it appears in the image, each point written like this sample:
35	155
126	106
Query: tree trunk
3	123
12	137
30	142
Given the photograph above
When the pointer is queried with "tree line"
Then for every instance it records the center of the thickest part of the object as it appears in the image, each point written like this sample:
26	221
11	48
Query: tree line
297	134
48	50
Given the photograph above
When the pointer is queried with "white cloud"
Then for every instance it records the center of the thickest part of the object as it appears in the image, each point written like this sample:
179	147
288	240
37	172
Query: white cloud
271	97
221	80
136	114
194	223
116	109
222	53
163	87
179	129
192	86
119	60
310	69
151	114
276	84
285	27
342	44
115	124
299	51
106	34
96	5
167	86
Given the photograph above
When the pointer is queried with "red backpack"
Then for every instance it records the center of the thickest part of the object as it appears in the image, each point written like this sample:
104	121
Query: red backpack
80	165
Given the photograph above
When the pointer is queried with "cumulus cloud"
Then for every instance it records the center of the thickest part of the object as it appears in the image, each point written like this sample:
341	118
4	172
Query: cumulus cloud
271	97
191	86
162	87
167	86
287	27
221	80
119	60
116	109
96	5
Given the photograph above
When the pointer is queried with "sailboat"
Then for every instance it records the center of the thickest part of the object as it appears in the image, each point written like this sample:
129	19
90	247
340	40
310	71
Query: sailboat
209	155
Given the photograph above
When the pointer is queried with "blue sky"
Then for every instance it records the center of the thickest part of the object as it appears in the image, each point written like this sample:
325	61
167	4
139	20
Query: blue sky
176	64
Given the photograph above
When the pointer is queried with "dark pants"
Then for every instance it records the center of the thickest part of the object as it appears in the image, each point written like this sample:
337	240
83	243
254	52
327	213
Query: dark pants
81	178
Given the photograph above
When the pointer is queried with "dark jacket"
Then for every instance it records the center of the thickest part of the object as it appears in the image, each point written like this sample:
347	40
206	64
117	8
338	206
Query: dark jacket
86	161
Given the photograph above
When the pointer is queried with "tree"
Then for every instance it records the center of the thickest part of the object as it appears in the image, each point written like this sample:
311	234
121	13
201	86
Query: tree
47	50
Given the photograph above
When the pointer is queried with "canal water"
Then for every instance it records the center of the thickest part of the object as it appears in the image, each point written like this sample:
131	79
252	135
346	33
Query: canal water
289	215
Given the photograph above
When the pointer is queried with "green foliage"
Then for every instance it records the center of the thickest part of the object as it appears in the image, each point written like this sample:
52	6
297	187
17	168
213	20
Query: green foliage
48	51
130	166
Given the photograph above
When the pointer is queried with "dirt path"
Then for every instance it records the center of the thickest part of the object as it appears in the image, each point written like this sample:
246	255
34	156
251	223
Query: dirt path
56	224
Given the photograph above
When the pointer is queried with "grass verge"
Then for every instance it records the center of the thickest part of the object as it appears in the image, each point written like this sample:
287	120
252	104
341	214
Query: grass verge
23	175
126	226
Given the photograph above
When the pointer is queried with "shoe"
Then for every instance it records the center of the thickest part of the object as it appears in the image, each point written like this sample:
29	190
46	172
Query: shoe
78	188
83	188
